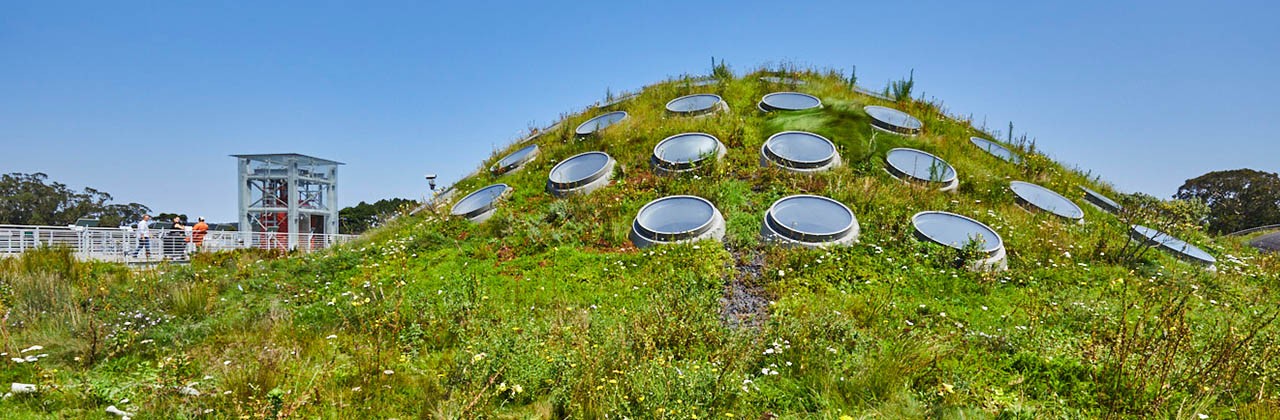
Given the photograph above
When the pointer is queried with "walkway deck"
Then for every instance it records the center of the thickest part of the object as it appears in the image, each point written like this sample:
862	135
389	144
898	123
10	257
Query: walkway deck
116	244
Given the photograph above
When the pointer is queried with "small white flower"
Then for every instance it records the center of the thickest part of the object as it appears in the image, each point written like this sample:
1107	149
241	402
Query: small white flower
781	273
331	336
388	372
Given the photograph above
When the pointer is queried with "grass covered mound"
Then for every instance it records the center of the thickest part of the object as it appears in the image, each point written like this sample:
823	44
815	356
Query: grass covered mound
547	310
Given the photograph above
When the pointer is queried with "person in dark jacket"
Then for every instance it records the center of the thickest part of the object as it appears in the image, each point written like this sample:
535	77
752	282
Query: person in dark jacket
175	240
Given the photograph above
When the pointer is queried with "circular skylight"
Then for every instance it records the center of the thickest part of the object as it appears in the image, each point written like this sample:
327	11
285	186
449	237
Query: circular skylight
1176	246
789	101
619	99
956	231
783	80
696	104
1100	201
799	151
541	132
678	218
893	120
581	173
1046	199
995	149
919	166
479	205
600	122
515	160
871	93
683	152
810	220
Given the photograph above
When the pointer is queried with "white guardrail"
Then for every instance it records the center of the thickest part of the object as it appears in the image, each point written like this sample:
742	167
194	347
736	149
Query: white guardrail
119	244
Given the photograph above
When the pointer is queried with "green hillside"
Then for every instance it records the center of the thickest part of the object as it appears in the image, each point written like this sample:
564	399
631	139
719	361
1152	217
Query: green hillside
548	311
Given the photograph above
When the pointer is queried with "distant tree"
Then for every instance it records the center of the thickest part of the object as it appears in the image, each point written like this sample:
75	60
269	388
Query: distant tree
120	214
31	199
168	217
1237	199
364	216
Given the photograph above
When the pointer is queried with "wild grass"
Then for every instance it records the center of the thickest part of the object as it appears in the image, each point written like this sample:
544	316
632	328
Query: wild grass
547	311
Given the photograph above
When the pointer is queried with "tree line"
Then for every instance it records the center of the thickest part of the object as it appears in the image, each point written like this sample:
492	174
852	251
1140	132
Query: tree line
31	199
1237	199
364	216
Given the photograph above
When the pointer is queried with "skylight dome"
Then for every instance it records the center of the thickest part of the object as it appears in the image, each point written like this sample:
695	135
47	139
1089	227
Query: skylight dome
788	101
1100	201
958	232
685	152
515	161
1179	248
480	205
995	149
676	219
1041	198
809	221
893	121
600	122
799	151
918	166
580	174
697	105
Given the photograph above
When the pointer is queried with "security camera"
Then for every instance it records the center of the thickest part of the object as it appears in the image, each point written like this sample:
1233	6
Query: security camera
431	181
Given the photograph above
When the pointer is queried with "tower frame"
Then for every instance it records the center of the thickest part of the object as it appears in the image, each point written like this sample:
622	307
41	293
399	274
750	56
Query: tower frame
285	198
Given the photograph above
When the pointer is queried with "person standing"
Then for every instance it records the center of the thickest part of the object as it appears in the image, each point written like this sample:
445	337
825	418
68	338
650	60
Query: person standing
173	241
197	233
143	233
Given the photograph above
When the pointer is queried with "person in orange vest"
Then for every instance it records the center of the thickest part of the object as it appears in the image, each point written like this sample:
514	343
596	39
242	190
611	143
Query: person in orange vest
197	233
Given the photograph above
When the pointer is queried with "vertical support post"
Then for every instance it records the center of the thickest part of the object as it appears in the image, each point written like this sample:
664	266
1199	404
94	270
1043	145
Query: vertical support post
331	220
243	170
293	199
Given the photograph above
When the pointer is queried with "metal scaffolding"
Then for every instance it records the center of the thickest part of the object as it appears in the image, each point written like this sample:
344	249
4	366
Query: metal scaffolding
287	194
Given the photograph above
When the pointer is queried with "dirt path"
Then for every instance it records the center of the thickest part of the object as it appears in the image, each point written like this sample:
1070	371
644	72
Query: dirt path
745	303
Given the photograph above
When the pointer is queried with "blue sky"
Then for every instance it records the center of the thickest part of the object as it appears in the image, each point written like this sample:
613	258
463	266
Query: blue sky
146	101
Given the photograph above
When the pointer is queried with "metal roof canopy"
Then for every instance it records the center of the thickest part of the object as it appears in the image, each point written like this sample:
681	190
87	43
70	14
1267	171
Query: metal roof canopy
302	159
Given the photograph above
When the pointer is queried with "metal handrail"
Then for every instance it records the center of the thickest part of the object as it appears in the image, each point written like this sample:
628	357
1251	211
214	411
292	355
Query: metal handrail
1254	229
116	244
